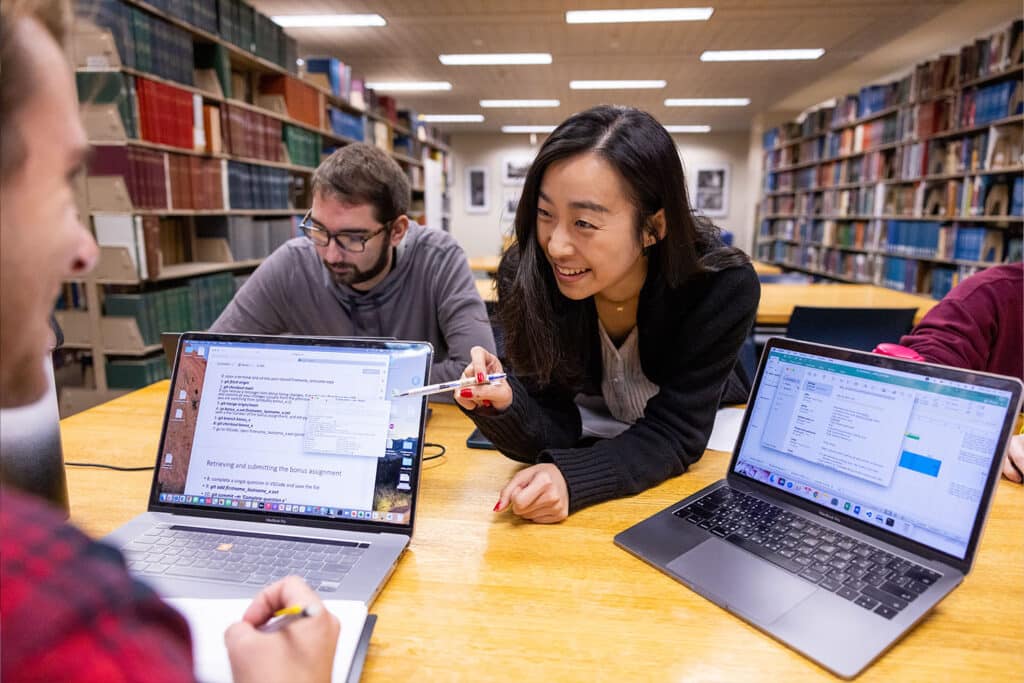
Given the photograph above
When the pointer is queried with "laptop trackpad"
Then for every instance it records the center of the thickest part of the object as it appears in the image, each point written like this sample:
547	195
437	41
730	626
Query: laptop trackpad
742	583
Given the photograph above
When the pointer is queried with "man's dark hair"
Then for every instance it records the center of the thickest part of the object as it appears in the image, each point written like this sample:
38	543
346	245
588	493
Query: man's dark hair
363	174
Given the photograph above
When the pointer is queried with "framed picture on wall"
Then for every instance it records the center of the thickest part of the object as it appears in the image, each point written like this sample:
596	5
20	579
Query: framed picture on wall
509	204
514	168
477	191
711	191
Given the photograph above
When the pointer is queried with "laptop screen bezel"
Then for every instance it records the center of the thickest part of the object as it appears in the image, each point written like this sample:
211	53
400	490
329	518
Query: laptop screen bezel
285	518
1009	384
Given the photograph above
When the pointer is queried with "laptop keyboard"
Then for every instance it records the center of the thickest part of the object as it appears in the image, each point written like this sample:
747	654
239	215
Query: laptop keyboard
866	575
241	557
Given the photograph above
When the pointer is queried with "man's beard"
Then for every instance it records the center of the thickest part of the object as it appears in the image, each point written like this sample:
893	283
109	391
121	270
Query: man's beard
348	274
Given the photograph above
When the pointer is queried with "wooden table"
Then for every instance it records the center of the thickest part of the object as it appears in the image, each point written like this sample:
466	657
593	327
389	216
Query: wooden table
762	268
485	264
481	596
778	300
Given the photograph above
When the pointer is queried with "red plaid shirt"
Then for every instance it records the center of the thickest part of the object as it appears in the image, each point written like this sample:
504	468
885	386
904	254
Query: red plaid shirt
70	611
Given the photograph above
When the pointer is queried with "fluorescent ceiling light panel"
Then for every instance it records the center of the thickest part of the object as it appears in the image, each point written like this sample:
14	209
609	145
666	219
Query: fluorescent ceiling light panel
327	20
527	129
452	118
409	86
758	55
496	58
615	85
621	16
707	102
688	129
518	103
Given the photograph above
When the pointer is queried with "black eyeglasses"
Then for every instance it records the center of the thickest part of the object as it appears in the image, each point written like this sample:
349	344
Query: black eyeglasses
346	240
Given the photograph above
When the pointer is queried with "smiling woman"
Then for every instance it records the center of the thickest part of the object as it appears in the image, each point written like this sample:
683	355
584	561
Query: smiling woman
623	314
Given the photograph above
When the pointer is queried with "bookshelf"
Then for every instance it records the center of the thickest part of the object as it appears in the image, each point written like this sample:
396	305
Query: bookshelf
912	184
205	135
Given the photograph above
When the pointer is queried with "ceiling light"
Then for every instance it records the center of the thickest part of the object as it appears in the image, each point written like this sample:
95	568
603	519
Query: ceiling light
327	20
619	16
707	102
527	129
614	85
409	86
519	103
688	129
758	55
496	58
451	118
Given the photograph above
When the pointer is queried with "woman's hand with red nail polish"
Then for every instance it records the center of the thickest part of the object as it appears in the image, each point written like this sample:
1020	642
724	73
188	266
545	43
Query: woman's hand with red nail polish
497	396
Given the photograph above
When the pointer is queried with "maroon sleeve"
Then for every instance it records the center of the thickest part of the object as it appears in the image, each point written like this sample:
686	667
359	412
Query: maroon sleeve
71	612
960	330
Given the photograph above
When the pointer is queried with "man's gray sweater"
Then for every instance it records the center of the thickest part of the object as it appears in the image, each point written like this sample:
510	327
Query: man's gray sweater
429	295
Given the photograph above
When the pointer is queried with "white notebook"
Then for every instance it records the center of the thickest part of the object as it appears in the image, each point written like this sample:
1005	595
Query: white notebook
209	618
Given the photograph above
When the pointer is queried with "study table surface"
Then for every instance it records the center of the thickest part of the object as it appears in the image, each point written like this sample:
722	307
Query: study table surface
481	596
777	300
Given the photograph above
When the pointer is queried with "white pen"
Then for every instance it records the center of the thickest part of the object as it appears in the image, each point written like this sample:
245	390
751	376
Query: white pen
448	386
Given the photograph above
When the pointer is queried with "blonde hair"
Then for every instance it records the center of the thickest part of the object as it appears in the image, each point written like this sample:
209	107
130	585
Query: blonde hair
16	78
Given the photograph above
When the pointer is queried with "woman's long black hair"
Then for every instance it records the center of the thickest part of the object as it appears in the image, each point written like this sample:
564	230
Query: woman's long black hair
547	334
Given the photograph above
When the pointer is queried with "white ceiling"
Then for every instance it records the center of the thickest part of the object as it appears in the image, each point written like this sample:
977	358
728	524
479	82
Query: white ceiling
418	31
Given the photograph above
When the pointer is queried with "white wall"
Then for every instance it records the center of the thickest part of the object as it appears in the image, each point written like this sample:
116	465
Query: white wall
481	234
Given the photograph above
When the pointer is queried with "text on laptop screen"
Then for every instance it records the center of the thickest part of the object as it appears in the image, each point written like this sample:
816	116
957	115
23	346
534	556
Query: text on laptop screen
902	451
294	429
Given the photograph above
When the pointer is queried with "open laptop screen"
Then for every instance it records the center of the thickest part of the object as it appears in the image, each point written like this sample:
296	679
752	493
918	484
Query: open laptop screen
904	451
292	428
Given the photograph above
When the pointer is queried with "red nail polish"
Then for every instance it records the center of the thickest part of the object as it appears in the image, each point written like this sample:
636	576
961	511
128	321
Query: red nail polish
466	393
497	506
480	377
487	404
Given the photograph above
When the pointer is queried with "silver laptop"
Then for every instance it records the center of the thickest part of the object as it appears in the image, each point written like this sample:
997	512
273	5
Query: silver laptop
854	500
279	456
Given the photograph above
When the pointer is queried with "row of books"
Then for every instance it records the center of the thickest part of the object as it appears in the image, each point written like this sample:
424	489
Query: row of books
301	100
872	99
346	124
144	41
304	146
257	187
979	106
248	237
993	53
247	133
193	306
72	297
196	182
918	239
135	373
927	119
168	115
337	78
235	21
142	169
991	149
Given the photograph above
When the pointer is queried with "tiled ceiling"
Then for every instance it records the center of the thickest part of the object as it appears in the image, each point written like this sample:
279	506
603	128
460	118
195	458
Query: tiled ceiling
417	32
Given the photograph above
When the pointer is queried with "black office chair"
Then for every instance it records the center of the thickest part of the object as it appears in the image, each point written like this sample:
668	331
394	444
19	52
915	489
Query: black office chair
853	328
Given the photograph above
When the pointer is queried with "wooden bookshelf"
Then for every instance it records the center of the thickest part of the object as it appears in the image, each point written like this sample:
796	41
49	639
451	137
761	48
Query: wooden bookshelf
244	82
925	127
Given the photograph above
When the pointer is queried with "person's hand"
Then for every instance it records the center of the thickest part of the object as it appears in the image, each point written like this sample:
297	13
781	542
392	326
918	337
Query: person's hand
302	651
538	493
1014	454
497	396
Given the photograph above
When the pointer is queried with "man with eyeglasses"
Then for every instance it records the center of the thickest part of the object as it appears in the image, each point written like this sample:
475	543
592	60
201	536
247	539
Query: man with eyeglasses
365	269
